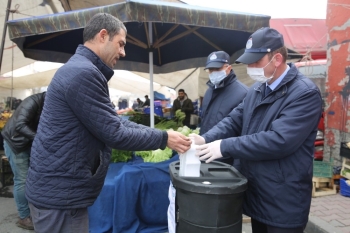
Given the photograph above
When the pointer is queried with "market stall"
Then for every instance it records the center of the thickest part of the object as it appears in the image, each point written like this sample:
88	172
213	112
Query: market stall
134	198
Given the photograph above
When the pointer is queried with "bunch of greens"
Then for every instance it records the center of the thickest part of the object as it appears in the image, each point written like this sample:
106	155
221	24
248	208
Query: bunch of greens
144	119
166	124
155	156
120	155
179	117
184	130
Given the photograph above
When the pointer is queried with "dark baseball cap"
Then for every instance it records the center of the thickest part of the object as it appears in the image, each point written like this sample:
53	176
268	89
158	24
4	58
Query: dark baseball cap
217	60
260	43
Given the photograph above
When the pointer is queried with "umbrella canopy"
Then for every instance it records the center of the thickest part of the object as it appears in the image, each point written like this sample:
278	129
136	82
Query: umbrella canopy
162	37
183	35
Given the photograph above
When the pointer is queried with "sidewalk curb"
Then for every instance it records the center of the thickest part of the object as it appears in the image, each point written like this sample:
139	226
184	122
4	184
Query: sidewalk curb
317	225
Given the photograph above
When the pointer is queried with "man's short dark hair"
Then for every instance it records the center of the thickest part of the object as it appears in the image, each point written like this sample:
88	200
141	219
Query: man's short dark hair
102	21
146	96
181	90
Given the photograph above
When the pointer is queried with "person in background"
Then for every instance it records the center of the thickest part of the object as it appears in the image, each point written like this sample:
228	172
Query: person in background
224	93
183	103
272	132
147	102
134	105
139	102
78	127
18	133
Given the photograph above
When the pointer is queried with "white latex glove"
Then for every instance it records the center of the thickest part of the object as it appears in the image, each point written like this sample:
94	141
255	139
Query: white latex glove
198	140
209	151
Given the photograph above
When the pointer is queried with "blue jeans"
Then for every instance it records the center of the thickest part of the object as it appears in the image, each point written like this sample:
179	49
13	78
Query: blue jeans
19	164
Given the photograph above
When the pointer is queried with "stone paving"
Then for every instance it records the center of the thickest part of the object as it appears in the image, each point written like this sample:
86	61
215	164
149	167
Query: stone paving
331	213
328	214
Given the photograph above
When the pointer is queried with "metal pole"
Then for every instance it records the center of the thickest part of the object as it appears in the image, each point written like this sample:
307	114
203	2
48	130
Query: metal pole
151	76
4	31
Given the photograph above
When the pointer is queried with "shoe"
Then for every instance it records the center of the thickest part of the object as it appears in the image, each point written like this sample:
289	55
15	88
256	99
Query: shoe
25	223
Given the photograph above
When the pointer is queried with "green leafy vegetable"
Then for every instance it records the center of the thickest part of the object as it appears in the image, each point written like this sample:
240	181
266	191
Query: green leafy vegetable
179	117
155	156
120	156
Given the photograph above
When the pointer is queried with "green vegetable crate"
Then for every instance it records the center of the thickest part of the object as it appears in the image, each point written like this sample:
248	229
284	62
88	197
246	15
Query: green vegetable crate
345	171
323	168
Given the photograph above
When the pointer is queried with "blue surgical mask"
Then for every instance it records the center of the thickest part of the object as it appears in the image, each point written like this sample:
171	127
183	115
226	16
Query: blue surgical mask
217	76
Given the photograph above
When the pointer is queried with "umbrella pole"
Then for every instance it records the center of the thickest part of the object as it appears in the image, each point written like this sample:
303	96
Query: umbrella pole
151	76
4	31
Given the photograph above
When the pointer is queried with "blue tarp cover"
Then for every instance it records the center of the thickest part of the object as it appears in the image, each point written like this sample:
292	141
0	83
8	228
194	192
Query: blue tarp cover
134	198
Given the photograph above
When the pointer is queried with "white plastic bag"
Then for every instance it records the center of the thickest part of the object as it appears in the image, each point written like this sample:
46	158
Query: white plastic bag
190	163
171	209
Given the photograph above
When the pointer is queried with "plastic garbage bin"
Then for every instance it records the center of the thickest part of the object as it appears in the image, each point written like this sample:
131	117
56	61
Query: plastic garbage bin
211	203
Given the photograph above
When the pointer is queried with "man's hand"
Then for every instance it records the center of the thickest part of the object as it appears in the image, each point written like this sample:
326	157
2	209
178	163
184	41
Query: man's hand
209	151
198	140
178	142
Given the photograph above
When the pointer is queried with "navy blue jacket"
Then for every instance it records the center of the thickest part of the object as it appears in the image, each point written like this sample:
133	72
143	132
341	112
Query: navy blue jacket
77	129
219	102
276	148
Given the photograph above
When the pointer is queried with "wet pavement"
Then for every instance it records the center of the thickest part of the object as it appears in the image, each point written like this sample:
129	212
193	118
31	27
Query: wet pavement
328	214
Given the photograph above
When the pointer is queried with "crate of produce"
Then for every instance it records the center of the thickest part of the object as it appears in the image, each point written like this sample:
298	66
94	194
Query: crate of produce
345	150
323	168
6	175
345	170
6	179
345	187
5	165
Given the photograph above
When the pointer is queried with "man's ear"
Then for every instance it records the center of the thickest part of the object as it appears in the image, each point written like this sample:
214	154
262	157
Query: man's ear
229	68
102	35
278	59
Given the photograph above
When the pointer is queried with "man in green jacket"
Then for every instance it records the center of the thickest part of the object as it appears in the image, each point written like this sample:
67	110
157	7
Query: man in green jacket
185	104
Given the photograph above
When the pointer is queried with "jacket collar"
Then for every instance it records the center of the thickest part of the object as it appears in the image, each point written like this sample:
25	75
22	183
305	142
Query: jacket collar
185	98
96	60
226	81
282	88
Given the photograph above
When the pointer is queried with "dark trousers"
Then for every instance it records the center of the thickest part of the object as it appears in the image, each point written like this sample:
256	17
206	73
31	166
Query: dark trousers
259	227
59	221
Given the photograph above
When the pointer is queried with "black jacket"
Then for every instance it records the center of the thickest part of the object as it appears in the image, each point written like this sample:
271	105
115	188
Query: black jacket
146	103
20	129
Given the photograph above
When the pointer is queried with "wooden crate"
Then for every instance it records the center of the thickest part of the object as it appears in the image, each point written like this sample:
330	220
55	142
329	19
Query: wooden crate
6	175
322	187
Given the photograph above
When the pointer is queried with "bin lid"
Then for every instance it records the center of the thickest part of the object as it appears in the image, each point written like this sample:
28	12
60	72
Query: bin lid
215	178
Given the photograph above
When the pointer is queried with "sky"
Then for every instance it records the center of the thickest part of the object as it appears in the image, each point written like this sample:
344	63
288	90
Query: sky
314	9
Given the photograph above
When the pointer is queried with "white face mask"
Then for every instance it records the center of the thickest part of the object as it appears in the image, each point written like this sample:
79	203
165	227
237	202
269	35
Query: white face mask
258	74
217	76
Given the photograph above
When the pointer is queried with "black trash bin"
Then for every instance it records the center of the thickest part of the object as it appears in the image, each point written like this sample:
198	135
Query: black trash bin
211	203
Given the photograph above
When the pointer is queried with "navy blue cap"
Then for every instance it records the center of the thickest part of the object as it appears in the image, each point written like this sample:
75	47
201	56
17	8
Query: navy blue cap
217	59
261	42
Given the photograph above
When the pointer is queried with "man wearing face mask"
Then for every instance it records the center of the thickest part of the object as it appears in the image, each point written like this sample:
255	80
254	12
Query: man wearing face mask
224	93
272	132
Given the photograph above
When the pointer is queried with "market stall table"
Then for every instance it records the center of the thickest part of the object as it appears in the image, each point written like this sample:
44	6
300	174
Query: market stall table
134	198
